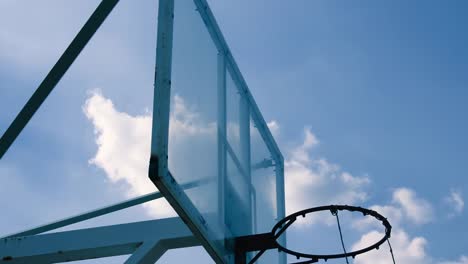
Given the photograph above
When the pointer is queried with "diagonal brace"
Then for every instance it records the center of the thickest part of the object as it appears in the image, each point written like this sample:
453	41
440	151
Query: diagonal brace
98	242
56	73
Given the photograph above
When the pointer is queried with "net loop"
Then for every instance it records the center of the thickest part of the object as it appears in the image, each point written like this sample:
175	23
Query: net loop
335	213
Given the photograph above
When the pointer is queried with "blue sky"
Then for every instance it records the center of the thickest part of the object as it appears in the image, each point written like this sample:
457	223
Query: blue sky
375	90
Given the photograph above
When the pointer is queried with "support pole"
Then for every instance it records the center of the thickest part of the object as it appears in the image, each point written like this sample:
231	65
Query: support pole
162	90
245	158
148	239
281	208
88	215
222	138
151	251
147	253
105	210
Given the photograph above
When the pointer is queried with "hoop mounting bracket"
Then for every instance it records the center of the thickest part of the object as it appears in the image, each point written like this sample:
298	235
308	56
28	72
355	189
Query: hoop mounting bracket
258	242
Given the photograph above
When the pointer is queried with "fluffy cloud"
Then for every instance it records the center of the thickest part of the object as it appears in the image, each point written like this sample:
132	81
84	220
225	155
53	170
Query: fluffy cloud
393	213
122	142
456	202
405	207
461	260
316	181
407	250
417	210
274	127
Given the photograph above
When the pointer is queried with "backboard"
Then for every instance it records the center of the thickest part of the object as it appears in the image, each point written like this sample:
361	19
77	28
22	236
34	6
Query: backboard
209	134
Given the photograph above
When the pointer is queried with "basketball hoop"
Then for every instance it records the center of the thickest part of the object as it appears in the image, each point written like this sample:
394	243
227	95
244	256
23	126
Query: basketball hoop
270	240
283	224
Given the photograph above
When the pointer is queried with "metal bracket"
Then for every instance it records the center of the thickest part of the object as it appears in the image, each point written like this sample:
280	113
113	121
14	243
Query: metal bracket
258	242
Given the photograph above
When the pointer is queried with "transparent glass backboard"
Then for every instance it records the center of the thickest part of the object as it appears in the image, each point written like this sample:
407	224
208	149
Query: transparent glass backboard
217	141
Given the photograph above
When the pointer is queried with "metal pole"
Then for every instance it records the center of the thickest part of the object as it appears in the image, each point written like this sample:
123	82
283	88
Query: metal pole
281	210
105	210
98	242
88	215
162	89
245	157
222	140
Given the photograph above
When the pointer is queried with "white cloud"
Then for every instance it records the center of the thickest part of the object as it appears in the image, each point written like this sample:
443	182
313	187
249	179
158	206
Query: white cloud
123	143
456	202
315	181
392	213
461	260
416	209
301	154
407	250
405	207
274	127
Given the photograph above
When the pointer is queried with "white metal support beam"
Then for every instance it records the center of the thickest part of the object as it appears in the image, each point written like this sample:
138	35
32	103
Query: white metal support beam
92	214
150	251
162	89
222	137
148	239
281	209
147	253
